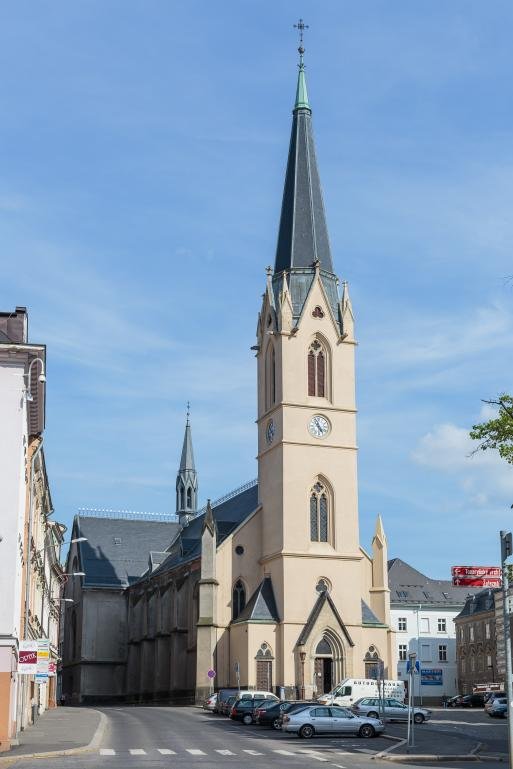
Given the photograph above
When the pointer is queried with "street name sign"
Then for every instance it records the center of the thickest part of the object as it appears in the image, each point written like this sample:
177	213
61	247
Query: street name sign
476	576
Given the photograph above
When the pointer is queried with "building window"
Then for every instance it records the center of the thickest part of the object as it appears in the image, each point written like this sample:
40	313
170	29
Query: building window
463	664
487	630
471	631
442	625
424	625
319	513
489	661
402	623
442	653
402	593
425	653
238	598
472	664
270	376
403	650
317	369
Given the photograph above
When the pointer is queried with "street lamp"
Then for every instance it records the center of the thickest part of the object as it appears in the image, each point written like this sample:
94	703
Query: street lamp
71	542
302	657
64	600
41	377
74	574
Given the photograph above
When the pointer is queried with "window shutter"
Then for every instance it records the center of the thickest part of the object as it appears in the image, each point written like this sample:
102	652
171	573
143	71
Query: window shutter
320	375
314	528
311	373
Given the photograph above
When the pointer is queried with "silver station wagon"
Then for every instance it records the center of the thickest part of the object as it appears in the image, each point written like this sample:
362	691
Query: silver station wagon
330	720
394	710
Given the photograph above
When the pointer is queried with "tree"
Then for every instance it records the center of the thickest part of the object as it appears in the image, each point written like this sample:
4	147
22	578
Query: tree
497	433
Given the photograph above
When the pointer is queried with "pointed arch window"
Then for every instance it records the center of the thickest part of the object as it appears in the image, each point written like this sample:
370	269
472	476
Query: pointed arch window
189	498
238	598
270	376
317	370
319	513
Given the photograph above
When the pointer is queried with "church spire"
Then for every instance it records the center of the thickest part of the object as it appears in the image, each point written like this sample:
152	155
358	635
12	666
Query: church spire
186	479
303	233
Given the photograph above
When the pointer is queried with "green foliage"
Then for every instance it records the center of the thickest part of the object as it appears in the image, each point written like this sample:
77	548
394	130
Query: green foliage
497	433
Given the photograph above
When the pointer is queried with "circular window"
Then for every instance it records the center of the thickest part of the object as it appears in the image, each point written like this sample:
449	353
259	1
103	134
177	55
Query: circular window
323	585
239	550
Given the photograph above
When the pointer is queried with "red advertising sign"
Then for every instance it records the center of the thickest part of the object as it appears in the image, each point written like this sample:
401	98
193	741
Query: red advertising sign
476	576
27	657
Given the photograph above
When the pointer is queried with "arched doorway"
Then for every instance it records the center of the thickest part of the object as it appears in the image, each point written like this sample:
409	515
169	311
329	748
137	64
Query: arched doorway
329	663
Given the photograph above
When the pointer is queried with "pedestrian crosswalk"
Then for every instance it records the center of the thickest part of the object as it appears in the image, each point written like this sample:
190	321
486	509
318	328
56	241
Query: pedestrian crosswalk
321	756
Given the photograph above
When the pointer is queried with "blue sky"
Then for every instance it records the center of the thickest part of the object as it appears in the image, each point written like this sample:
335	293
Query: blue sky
143	148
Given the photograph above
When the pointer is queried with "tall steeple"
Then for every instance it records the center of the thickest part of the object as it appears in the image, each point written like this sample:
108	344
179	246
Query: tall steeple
303	234
187	479
303	237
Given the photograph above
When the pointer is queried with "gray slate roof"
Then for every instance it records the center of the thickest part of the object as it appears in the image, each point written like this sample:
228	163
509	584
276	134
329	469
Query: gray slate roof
187	458
368	616
303	234
261	607
117	550
228	515
419	589
483	601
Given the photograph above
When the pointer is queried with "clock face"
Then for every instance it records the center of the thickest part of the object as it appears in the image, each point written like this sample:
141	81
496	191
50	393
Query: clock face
318	426
269	433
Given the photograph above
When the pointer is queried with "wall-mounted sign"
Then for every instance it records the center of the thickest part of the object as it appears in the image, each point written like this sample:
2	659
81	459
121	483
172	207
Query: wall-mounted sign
476	576
431	677
27	658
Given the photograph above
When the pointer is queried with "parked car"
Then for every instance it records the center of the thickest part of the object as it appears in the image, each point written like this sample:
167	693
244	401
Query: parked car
330	720
498	708
257	695
210	703
394	710
222	696
242	710
227	705
270	713
491	697
472	701
454	702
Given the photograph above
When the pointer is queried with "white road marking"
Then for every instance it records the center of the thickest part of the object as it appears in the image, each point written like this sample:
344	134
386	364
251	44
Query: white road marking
107	752
195	752
284	752
225	752
166	752
253	752
137	752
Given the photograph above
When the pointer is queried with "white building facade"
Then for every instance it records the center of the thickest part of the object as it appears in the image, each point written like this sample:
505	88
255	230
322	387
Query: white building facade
422	615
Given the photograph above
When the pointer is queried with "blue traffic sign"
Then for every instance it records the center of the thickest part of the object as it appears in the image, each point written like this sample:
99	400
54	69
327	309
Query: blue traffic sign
416	668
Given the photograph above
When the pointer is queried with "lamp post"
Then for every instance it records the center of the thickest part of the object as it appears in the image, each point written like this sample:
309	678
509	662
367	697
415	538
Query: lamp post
302	657
42	377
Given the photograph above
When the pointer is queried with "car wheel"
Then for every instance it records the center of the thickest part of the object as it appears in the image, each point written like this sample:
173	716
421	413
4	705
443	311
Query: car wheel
418	718
372	715
367	730
247	719
276	724
306	732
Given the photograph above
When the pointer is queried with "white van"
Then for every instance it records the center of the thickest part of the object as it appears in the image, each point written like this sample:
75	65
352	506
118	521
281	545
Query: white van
250	694
352	689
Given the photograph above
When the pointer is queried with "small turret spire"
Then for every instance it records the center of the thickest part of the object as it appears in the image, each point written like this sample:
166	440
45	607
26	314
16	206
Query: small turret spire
187	478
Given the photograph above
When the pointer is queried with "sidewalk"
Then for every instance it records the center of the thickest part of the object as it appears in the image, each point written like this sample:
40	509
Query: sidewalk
60	729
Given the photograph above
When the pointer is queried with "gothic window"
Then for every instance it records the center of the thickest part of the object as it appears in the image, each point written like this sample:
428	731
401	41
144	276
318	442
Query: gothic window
270	376
182	498
317	370
319	513
189	498
238	598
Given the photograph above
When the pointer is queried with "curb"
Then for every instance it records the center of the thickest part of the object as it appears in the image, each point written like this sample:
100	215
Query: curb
90	747
412	757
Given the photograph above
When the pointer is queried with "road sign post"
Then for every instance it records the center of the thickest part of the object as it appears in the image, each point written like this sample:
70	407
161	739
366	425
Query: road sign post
506	553
411	666
237	673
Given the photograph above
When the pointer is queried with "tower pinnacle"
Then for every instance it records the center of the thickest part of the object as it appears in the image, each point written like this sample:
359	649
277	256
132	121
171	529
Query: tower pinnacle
301	92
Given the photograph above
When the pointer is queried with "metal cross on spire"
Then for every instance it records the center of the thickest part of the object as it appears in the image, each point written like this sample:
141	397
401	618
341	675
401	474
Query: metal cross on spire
301	26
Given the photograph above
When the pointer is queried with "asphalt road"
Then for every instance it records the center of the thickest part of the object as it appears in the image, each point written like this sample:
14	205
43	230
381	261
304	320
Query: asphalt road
148	737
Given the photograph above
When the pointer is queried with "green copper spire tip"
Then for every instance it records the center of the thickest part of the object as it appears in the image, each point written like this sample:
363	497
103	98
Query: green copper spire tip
301	92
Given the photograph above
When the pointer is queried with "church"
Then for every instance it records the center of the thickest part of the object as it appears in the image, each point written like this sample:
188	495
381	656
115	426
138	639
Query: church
268	587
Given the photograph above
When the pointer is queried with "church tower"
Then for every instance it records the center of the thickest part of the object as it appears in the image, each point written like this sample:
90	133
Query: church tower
187	480
307	452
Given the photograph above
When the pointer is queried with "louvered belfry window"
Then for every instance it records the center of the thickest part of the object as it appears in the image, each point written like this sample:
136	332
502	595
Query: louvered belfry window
319	513
316	370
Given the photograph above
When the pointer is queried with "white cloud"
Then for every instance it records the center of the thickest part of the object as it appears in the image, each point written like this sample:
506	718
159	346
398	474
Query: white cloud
484	478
